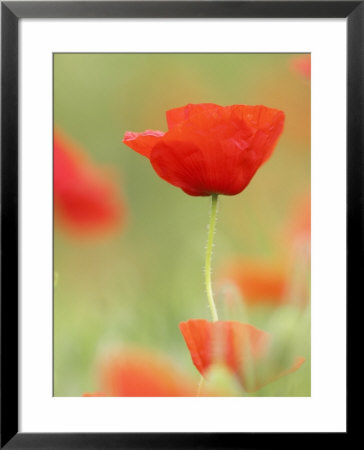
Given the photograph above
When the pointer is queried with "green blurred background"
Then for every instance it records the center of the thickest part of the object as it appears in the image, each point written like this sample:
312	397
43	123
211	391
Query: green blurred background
137	285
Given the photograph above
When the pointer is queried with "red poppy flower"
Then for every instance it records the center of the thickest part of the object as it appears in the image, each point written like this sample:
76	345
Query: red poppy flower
302	65
210	149
87	201
259	282
238	345
139	373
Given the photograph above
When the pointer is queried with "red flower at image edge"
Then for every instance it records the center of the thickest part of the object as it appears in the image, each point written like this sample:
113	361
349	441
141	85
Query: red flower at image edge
302	65
299	224
135	372
86	199
238	345
210	149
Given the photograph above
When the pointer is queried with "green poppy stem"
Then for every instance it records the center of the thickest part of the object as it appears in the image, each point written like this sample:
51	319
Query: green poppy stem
209	247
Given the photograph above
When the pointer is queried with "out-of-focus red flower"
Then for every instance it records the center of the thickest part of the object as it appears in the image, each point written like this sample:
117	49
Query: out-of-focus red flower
87	201
95	394
302	65
140	373
210	149
299	224
259	282
296	239
238	345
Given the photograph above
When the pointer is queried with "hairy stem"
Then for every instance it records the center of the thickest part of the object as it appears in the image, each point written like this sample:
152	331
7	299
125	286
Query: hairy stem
209	247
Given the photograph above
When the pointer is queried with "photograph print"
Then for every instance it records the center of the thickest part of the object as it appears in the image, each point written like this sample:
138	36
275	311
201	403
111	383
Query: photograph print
182	224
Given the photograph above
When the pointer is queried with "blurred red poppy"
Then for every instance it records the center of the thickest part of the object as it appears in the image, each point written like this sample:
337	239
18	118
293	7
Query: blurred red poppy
259	282
302	65
96	394
211	149
239	346
87	201
299	224
296	239
139	373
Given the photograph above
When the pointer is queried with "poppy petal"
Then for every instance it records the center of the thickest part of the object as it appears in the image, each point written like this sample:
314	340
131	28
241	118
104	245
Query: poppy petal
142	142
140	373
198	337
86	198
181	164
240	346
222	341
259	282
177	115
190	157
297	363
266	125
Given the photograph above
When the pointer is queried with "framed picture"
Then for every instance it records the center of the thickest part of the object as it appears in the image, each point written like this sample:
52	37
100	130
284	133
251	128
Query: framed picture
127	127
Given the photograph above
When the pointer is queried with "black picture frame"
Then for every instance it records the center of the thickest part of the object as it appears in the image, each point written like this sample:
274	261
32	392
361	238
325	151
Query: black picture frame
11	13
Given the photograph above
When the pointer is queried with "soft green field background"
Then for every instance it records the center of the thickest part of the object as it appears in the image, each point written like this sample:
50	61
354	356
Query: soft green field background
135	287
